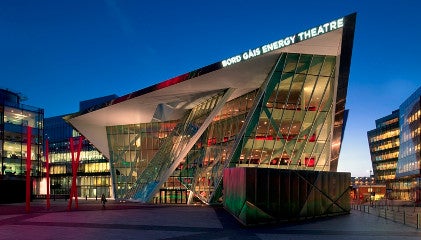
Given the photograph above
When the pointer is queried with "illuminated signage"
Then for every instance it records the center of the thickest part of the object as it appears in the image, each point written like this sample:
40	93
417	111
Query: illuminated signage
313	32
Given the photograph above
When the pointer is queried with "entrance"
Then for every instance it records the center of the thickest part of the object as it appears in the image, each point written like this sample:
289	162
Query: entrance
173	196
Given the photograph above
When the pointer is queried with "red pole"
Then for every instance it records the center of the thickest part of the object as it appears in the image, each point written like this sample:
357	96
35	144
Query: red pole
73	160
47	173
75	166
73	190
28	168
79	148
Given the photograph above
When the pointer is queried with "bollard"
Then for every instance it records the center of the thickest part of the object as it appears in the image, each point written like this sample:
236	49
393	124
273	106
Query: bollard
404	218
418	220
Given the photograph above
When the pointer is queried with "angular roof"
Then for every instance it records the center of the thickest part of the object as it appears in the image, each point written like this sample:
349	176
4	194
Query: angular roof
244	72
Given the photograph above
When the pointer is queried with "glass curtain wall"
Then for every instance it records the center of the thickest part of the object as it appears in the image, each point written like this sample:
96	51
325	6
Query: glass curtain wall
132	147
139	167
409	163
14	140
203	166
93	173
410	122
291	130
384	147
294	125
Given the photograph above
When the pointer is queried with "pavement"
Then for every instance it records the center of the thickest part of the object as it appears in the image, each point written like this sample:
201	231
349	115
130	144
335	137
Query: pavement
139	221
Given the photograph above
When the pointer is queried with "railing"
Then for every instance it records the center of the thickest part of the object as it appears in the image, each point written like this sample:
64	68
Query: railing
407	215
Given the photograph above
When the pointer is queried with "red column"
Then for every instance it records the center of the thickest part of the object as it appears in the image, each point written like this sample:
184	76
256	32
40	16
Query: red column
47	173
28	167
79	148
75	165
73	170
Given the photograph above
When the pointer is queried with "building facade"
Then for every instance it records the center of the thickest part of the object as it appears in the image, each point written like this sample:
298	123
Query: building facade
280	106
384	147
93	175
409	167
398	145
15	118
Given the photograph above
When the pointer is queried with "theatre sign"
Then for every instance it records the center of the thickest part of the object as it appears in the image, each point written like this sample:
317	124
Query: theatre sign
305	35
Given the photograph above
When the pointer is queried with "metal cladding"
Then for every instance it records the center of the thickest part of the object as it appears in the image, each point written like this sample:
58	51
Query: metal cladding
258	195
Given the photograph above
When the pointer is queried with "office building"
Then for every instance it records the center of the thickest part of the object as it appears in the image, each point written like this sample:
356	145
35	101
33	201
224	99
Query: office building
395	144
15	120
93	175
384	147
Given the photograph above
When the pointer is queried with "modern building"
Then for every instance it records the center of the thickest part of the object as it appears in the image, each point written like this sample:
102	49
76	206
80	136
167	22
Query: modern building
395	150
15	118
384	147
93	175
280	106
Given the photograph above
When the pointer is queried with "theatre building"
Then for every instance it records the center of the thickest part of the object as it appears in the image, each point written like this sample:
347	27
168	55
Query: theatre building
277	109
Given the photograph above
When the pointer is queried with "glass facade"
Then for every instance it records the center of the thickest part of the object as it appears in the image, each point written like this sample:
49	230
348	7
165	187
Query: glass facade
384	147
286	124
292	128
133	148
93	176
410	127
409	163
15	117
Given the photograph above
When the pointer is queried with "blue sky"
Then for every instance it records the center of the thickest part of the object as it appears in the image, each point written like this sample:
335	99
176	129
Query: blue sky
57	53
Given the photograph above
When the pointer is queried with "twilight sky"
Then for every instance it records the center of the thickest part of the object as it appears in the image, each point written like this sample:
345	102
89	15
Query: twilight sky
57	53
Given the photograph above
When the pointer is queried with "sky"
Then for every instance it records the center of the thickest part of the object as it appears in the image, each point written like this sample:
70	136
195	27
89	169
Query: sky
58	53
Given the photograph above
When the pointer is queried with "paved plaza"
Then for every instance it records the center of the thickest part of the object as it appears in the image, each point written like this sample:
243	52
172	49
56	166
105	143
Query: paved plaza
135	221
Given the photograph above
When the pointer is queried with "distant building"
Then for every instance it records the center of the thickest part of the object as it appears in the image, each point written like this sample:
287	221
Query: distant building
384	147
395	150
93	177
364	188
15	117
365	193
357	181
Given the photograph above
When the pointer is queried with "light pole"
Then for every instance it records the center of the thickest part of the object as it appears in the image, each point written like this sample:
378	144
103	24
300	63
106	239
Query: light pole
387	192
371	190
